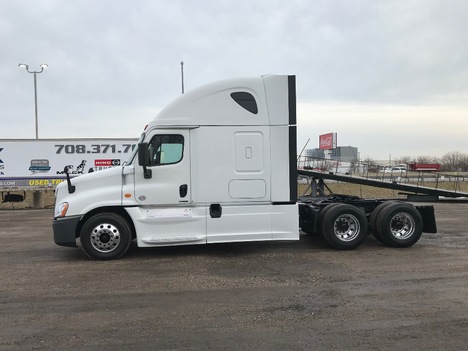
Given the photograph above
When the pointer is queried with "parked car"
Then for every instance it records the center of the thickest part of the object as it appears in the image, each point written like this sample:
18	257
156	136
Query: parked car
395	170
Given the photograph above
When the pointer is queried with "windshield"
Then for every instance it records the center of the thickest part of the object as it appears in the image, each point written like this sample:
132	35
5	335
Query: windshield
135	150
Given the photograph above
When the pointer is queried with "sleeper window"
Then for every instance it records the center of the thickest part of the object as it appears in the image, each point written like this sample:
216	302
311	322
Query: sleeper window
246	100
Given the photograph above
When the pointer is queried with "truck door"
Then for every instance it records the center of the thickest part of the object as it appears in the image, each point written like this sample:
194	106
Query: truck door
169	183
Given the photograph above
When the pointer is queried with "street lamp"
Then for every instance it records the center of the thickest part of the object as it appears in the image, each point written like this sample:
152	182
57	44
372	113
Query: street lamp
182	74
35	89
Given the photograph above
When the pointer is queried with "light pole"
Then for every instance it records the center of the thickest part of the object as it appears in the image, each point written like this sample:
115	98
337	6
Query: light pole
182	74
35	90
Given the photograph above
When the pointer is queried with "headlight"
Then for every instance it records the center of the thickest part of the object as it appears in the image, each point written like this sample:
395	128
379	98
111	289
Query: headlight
61	209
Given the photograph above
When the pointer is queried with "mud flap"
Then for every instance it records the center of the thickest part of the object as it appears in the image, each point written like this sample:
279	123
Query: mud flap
428	216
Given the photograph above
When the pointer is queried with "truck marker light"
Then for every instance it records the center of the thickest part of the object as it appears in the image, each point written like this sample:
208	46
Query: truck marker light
127	195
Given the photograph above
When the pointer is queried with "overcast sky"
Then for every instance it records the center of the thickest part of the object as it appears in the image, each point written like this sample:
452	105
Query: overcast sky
390	77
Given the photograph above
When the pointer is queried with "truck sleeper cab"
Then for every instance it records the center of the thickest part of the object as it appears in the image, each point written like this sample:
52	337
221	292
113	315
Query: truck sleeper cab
216	165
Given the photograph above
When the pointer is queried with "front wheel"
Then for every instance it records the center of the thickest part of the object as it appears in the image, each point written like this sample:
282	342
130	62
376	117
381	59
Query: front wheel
344	227
105	236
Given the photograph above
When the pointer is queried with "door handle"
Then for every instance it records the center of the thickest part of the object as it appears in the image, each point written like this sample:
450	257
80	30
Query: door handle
183	190
216	211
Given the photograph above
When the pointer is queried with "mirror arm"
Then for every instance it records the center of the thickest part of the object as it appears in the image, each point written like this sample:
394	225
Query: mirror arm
147	173
71	188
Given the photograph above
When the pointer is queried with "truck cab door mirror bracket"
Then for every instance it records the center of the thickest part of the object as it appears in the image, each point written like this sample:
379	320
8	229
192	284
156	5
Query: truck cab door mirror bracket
147	173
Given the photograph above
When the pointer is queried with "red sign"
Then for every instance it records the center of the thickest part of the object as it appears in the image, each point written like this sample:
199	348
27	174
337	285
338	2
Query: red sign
327	141
106	163
102	163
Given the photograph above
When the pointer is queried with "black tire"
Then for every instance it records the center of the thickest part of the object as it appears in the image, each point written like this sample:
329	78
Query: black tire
373	220
106	236
400	225
344	227
322	214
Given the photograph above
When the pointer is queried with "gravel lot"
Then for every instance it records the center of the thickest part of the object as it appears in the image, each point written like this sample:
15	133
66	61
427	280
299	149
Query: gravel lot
249	296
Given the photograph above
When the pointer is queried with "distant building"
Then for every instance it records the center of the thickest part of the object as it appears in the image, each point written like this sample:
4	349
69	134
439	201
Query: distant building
314	153
345	154
340	153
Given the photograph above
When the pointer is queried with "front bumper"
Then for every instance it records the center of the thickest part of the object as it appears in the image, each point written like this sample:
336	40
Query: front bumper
65	230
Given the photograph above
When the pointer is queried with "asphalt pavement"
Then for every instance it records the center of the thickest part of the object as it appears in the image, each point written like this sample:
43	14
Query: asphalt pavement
298	295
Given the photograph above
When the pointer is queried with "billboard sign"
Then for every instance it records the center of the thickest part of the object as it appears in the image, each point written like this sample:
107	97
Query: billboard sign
31	163
327	141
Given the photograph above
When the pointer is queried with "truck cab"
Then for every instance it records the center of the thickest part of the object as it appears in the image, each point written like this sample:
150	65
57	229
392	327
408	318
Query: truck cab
218	164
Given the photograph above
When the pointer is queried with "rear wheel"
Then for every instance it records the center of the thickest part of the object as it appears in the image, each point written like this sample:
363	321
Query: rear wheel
373	219
344	227
399	225
106	236
322	214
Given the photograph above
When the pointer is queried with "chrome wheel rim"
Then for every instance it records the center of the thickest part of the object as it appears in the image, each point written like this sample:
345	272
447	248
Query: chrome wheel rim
105	237
402	226
346	227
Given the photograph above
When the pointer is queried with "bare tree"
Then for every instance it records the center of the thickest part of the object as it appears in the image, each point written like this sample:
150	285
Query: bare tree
370	165
427	159
455	161
405	160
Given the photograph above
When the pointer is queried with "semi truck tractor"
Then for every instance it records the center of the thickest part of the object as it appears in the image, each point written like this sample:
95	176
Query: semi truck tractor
218	165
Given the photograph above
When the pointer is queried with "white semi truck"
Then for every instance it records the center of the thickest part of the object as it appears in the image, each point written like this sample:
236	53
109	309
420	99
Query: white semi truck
219	165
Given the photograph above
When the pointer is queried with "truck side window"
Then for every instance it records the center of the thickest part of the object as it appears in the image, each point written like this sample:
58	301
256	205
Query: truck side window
246	100
166	149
